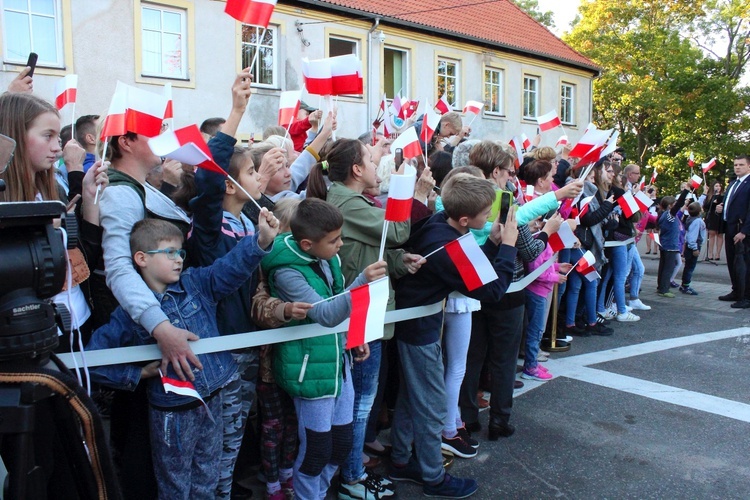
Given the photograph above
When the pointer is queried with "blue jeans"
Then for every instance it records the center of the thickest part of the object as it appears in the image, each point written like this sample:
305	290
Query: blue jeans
690	262
365	380
420	409
575	281
637	271
536	311
618	267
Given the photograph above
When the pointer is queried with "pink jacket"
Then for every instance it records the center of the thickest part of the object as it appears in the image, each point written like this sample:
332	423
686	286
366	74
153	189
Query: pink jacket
543	285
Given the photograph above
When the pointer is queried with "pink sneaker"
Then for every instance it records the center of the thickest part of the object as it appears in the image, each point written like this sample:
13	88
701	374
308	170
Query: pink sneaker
287	487
536	374
542	368
276	495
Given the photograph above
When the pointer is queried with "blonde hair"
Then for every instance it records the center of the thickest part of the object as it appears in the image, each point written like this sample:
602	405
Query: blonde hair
464	195
284	210
543	153
452	118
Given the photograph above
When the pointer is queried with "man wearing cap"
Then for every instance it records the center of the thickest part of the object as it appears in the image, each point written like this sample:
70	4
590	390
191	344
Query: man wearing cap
307	116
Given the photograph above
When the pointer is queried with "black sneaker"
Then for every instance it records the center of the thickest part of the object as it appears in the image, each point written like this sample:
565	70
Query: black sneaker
458	447
408	473
466	436
577	331
598	329
451	487
372	487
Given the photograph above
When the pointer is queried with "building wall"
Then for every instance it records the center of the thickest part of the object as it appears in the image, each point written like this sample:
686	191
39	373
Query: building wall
101	34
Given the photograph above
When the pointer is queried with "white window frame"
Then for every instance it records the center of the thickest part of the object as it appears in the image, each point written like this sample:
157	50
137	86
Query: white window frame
405	70
274	30
355	41
496	87
59	62
528	94
184	55
568	118
456	104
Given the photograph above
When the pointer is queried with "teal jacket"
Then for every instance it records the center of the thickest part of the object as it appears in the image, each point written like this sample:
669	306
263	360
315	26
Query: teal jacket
308	368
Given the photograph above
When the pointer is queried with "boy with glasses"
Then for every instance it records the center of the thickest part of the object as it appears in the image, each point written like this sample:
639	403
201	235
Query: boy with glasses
185	432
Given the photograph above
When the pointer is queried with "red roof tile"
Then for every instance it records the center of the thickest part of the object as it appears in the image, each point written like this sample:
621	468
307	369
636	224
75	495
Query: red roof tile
496	22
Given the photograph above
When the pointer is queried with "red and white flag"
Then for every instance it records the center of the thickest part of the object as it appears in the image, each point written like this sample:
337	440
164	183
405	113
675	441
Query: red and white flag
443	105
586	261
525	141
255	12
517	144
65	91
548	121
410	109
644	202
333	76
183	388
385	117
472	264
134	110
654	174
400	196
563	238
583	207
709	165
562	141
655	237
691	160
528	193
642	184
405	103
289	102
185	145
628	204
368	313
611	145
395	107
696	181
429	124
409	143
473	107
593	138
590	273
590	126
169	111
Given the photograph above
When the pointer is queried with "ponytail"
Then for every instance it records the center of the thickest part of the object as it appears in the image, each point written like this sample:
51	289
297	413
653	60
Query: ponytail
316	183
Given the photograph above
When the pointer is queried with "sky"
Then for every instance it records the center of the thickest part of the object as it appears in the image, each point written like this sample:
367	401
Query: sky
565	11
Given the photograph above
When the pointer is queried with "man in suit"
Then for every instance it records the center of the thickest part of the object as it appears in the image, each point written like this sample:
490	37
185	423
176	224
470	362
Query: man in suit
736	212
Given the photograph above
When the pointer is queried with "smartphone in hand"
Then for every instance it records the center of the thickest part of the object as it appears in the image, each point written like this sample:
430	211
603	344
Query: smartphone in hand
31	62
398	158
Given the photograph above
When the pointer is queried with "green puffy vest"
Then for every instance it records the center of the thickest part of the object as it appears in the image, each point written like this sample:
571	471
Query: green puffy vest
308	368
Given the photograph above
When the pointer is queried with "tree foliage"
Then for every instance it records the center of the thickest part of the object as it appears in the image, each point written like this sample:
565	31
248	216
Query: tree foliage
661	86
531	7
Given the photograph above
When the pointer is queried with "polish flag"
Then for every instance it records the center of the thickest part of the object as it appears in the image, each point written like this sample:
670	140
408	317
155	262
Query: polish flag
708	166
185	145
611	145
642	184
368	313
386	117
472	264
289	106
655	237
562	141
396	105
588	260
183	388
400	196
409	142
405	103
254	12
65	91
517	144
473	107
591	140
696	181
628	204
429	124
528	193
169	111
691	160
410	109
525	141
590	273
644	202
583	207
317	75
590	126
548	121
134	110
443	105
653	176
563	238
346	75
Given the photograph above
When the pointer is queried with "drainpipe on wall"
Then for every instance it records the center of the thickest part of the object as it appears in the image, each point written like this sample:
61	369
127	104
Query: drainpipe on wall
369	70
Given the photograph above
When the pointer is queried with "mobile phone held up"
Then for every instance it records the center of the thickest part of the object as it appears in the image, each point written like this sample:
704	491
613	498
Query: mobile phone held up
398	158
31	62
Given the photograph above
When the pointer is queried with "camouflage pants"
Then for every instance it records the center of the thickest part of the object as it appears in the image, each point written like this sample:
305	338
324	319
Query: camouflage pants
238	396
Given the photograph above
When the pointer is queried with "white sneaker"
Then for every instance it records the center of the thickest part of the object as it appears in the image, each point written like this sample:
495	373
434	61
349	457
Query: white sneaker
628	316
628	308
608	314
637	305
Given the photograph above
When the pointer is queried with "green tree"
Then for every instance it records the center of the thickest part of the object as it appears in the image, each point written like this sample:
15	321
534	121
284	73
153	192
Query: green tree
666	94
531	7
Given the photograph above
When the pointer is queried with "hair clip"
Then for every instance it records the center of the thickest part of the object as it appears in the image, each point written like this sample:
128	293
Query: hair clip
324	165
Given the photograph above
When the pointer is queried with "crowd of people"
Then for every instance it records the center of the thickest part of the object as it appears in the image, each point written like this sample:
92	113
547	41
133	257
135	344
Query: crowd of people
170	253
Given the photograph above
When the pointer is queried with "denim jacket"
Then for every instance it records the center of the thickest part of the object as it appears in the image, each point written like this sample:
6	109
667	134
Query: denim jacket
190	304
